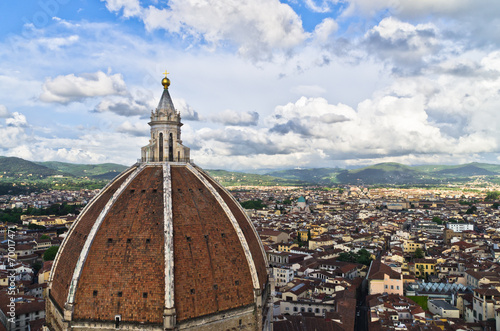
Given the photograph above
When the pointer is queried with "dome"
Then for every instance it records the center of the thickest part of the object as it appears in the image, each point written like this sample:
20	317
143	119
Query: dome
162	247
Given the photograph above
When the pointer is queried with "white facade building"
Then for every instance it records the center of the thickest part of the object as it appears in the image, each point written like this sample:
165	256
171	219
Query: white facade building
460	227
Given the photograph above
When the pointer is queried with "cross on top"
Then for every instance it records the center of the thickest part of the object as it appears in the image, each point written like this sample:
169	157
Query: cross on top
166	73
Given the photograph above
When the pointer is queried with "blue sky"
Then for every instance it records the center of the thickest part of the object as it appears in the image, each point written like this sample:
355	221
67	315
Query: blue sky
260	84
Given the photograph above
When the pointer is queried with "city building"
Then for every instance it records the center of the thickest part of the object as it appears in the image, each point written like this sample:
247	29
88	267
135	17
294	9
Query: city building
460	227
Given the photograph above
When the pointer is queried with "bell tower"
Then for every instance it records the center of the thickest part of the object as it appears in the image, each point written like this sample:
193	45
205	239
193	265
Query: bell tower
165	144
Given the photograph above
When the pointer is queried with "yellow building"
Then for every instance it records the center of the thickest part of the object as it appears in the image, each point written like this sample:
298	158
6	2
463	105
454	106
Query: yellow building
317	230
425	267
286	247
50	221
411	246
303	235
44	273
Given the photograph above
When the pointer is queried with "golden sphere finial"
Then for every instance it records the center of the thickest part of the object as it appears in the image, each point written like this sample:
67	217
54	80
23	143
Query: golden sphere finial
165	81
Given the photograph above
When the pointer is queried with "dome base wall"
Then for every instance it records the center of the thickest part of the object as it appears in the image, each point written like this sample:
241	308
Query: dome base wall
245	318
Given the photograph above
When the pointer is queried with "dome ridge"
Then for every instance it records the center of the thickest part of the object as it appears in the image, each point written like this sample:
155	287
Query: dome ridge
241	237
90	238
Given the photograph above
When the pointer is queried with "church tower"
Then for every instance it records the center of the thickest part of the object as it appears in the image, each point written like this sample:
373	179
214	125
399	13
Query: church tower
165	143
162	247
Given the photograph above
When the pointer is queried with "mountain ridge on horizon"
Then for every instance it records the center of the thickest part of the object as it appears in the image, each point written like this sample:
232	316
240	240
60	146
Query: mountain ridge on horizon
385	173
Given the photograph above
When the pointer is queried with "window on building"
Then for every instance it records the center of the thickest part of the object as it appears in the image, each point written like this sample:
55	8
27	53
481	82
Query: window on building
392	287
397	287
295	309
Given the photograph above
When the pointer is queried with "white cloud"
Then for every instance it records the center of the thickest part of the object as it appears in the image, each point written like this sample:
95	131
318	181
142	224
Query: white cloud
257	28
21	151
359	90
125	106
54	44
4	112
324	30
309	90
16	120
410	8
408	121
410	47
130	7
137	102
135	129
12	136
69	88
187	112
231	117
323	7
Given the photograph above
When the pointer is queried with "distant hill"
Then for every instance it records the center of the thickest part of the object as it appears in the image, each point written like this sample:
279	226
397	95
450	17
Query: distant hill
398	174
97	171
383	173
467	170
17	167
317	175
231	178
40	175
393	174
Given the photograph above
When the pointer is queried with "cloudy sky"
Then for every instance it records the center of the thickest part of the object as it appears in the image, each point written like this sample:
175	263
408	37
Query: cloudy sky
259	83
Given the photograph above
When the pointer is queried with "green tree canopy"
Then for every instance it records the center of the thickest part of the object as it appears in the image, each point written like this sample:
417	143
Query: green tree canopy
492	195
34	226
50	253
361	257
253	204
419	253
471	210
437	220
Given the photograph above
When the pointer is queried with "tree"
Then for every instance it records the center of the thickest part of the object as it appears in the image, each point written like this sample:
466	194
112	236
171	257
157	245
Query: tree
437	220
364	257
44	236
253	204
34	226
471	210
492	195
37	266
419	253
50	253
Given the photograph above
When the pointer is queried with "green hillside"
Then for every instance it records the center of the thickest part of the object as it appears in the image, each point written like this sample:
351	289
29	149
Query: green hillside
324	176
18	175
15	167
394	174
103	171
229	178
382	173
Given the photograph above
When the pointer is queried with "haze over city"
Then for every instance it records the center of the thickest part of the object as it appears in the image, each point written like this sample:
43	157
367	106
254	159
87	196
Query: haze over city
259	84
